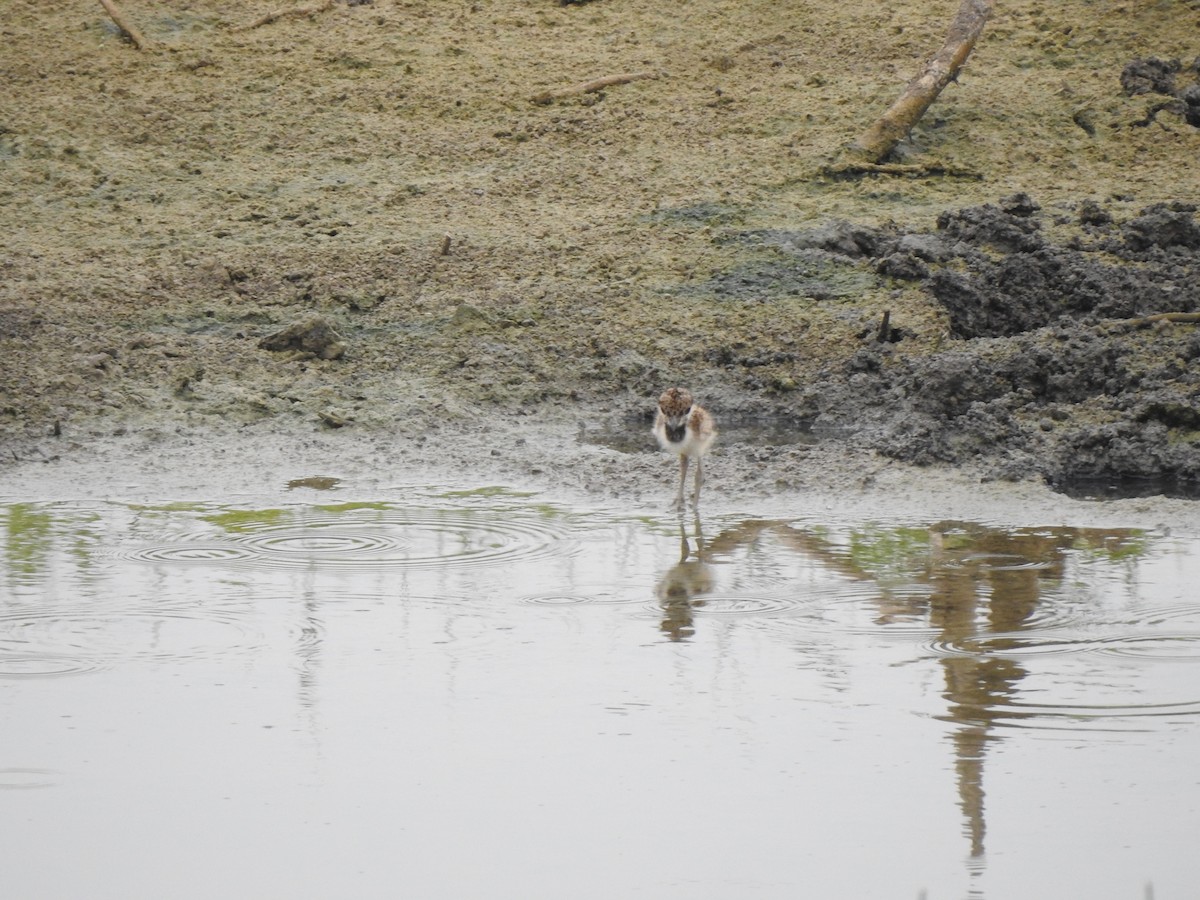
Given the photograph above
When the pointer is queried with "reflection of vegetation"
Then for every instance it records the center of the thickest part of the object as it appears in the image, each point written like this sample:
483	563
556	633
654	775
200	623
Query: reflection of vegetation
222	517
1115	546
30	530
177	506
240	520
880	551
979	586
245	519
884	553
334	509
889	552
27	532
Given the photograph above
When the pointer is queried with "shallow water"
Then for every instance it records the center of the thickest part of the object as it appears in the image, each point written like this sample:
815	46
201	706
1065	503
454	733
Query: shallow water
478	695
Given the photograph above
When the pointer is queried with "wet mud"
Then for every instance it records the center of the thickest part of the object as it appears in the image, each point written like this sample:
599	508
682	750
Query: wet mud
1057	360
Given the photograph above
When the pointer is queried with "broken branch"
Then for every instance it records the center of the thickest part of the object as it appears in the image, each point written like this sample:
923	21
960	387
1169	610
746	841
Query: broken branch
874	144
588	87
298	12
884	334
127	28
847	171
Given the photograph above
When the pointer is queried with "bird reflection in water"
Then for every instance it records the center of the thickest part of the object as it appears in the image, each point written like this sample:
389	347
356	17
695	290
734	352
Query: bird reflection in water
681	587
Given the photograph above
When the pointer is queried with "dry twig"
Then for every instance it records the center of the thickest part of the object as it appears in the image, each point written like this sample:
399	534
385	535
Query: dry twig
874	144
884	334
298	12
854	170
588	87
127	28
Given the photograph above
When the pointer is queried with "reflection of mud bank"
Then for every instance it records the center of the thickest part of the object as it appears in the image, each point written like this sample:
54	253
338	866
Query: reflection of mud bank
1058	360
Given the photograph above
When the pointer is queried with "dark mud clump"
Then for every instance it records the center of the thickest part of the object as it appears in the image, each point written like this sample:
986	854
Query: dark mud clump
1164	77
1014	280
1150	76
314	336
1058	362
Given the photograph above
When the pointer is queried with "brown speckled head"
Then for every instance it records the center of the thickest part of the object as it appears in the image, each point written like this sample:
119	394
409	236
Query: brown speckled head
675	403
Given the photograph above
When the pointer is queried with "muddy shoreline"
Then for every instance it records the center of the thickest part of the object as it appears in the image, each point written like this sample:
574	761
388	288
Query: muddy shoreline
556	463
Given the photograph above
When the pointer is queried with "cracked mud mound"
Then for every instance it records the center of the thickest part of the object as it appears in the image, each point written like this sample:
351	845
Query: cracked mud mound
1052	365
1035	283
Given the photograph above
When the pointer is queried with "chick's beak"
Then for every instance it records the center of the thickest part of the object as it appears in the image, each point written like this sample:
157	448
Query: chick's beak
676	428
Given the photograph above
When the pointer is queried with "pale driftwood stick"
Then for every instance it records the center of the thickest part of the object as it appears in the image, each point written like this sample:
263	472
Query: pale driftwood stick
874	144
286	13
588	87
130	30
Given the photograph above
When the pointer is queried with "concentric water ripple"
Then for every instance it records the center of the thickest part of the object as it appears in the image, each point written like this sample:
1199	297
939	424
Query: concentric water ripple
1164	647
45	665
580	596
197	553
1072	718
744	606
1078	711
558	598
67	643
1018	644
386	538
866	608
1160	614
1167	647
1000	562
328	544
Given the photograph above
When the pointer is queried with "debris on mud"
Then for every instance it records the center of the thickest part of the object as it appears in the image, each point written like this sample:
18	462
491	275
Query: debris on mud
313	335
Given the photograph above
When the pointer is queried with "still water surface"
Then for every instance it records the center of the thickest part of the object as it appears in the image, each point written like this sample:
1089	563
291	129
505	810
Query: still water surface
471	695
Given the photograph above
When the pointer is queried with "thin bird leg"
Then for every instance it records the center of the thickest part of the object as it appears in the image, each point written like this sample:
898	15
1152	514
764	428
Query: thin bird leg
683	469
699	480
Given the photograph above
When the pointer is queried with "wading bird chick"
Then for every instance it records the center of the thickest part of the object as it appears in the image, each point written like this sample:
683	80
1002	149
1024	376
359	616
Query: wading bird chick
682	426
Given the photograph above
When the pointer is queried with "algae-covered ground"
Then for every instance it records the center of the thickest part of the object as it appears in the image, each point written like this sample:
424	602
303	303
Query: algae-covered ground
472	254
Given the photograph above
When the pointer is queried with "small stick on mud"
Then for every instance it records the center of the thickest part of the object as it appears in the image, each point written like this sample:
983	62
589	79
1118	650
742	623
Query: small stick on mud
885	328
589	87
127	28
874	144
298	12
847	171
